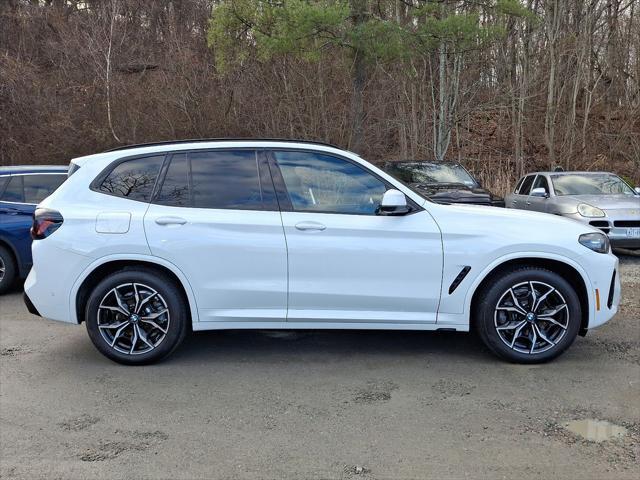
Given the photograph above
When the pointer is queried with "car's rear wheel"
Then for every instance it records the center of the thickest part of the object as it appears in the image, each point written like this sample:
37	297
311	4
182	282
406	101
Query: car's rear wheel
8	269
136	316
528	315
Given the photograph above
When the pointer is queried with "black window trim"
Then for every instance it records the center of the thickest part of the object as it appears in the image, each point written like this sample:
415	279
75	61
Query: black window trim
265	179
283	194
11	175
94	186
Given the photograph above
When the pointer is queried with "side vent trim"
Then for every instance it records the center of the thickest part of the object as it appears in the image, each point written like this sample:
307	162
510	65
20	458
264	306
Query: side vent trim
458	280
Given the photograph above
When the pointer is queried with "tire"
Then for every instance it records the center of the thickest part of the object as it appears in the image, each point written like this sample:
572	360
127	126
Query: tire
539	337
144	335
8	270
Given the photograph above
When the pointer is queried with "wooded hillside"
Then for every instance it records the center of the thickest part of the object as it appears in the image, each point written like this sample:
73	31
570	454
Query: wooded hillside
505	86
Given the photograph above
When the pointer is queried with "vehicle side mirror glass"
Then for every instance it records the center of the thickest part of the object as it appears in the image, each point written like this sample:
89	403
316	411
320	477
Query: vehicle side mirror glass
539	192
394	202
637	189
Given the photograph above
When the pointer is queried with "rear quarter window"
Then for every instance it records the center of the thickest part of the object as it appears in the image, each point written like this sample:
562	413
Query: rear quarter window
133	179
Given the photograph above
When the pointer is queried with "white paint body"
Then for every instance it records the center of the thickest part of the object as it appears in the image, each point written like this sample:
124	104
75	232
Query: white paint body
270	269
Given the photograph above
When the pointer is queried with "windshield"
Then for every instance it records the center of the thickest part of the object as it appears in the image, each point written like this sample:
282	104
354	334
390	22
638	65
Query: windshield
591	184
428	172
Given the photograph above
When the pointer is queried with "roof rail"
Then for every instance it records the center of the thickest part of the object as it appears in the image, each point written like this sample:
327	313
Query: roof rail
198	140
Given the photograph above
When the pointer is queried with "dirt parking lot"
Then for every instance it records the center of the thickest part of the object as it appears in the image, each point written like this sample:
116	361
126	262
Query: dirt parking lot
316	405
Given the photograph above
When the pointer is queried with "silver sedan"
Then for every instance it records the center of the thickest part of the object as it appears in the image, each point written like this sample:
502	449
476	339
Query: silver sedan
600	199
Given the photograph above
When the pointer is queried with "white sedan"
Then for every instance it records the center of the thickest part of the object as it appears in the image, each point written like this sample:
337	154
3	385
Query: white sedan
145	242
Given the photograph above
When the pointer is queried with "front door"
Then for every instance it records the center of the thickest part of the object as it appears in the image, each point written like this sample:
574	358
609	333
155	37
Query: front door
346	263
539	204
215	217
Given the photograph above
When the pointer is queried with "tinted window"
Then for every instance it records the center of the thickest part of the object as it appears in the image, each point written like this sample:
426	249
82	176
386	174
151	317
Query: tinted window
225	180
322	183
39	187
133	179
541	182
3	182
14	191
175	188
526	185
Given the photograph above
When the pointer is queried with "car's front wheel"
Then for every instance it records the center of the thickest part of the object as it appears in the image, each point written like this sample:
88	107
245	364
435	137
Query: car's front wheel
136	316
528	315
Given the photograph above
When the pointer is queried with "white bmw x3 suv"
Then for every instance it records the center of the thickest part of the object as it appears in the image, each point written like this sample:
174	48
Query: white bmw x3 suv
143	243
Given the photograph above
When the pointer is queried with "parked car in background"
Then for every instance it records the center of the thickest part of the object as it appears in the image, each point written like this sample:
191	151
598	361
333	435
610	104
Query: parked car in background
443	182
146	242
21	189
600	199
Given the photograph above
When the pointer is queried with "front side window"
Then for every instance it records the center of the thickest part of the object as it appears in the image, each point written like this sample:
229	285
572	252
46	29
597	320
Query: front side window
318	182
541	182
213	179
133	179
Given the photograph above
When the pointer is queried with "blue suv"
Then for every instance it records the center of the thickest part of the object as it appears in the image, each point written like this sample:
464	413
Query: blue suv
21	190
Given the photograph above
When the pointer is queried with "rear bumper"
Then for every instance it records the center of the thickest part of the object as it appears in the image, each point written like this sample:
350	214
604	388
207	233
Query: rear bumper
30	306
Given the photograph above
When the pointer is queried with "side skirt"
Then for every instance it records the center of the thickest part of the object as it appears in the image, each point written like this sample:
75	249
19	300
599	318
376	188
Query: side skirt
199	326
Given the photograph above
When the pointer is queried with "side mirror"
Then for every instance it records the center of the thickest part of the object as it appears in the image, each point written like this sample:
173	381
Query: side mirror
539	192
637	189
393	202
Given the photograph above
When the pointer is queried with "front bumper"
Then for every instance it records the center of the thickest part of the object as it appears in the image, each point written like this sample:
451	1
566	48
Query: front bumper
622	236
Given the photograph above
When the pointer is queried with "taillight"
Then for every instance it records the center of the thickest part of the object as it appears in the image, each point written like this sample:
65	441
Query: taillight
45	222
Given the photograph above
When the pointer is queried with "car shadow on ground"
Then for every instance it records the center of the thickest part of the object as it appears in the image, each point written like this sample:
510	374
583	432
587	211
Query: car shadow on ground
325	345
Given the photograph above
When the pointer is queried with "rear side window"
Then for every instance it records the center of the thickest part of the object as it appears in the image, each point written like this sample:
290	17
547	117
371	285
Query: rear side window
526	185
3	183
39	187
215	179
517	189
32	188
133	179
175	188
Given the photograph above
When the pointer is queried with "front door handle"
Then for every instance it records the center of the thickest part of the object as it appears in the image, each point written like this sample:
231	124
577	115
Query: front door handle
170	221
313	226
528	203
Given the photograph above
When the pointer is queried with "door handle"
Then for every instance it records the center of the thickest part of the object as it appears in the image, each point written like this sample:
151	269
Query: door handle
528	203
170	221
313	226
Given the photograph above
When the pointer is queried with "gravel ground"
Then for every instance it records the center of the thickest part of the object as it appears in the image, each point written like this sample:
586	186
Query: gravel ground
316	405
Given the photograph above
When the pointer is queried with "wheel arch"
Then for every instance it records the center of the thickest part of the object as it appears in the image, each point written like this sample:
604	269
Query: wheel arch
563	267
99	269
16	257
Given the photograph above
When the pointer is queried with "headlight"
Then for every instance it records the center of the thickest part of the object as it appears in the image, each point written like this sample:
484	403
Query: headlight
587	210
598	242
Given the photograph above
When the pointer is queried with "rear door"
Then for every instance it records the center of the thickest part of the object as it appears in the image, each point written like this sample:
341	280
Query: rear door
215	216
521	194
346	263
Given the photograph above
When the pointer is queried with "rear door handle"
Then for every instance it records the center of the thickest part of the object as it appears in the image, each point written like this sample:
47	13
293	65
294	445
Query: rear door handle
313	226
170	221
